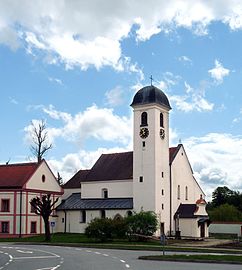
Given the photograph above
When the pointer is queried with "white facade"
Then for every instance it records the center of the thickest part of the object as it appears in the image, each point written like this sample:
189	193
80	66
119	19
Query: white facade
162	177
115	189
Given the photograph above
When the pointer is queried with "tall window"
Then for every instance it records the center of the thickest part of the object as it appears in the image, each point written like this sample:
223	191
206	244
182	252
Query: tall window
144	119
5	205
32	209
105	193
178	192
103	214
161	120
83	217
5	227
33	226
186	193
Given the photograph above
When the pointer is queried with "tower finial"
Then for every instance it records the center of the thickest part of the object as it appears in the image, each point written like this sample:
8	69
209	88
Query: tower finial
151	80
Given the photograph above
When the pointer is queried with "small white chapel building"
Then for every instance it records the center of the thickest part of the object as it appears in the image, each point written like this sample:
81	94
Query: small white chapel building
153	177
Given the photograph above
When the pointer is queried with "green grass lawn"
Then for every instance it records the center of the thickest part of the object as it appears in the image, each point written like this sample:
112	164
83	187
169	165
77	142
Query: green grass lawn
196	258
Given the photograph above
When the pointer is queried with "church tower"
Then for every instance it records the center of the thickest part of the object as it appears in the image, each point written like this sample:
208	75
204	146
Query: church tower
151	173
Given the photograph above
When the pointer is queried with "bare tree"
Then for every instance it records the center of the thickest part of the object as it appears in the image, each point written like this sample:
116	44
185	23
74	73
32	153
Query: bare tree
40	140
44	206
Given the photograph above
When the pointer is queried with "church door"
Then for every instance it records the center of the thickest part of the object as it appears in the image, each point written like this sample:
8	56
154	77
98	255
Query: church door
202	230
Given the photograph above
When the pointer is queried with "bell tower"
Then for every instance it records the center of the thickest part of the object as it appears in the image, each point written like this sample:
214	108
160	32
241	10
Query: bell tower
151	173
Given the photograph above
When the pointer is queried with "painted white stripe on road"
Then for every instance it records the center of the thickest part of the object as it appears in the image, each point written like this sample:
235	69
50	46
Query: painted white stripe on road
34	257
127	265
122	261
22	251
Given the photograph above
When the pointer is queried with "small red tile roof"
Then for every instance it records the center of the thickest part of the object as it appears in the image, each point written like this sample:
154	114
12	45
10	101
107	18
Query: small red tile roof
16	175
115	166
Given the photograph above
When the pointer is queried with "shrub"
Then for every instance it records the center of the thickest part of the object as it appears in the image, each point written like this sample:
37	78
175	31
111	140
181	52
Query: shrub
100	229
142	223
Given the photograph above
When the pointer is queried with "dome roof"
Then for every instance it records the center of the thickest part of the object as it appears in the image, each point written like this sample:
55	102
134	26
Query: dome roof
150	94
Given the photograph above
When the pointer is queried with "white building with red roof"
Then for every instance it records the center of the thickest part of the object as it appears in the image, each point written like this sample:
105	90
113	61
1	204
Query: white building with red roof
153	177
19	183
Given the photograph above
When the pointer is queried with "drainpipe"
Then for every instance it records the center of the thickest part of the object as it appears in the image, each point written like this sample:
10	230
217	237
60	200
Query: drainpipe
20	215
65	222
170	201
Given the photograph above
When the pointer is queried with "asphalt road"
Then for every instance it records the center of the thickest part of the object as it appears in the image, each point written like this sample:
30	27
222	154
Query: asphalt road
39	257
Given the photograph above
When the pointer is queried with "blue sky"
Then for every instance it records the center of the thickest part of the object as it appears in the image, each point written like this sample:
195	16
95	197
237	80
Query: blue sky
77	66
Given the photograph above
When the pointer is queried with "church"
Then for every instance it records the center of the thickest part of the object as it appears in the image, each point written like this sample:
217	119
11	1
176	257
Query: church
153	177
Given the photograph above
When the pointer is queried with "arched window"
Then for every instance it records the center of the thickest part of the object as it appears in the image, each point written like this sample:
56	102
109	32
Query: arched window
144	119
117	217
105	193
161	120
186	193
129	213
178	192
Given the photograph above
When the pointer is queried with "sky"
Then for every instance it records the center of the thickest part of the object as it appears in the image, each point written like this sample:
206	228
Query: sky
77	65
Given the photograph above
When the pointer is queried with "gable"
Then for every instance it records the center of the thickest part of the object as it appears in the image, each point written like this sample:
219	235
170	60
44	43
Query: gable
43	180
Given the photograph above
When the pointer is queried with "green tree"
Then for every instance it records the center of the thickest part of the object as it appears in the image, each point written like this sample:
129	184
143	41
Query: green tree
221	196
44	206
142	224
225	212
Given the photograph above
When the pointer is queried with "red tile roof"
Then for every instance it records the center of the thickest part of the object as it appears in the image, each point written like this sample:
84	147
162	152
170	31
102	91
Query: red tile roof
16	175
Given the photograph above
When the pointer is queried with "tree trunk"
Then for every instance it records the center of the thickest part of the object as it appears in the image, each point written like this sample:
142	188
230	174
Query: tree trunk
47	230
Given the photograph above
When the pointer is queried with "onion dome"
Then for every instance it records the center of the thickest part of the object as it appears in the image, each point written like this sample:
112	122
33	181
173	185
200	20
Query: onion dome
150	94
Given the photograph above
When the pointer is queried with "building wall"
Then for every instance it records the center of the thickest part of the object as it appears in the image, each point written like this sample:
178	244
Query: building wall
49	183
182	175
72	219
69	191
116	189
226	228
152	162
189	227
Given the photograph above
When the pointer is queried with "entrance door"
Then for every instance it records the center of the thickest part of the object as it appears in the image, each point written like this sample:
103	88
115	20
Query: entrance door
202	230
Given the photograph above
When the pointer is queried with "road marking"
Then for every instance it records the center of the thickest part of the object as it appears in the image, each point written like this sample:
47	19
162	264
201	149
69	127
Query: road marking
127	265
78	249
89	251
49	268
35	257
98	253
22	251
106	255
122	261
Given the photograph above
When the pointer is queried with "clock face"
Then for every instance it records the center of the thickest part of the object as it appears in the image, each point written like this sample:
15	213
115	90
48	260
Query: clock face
144	133
162	133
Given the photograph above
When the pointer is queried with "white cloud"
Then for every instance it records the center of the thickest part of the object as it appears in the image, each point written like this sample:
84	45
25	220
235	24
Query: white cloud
114	97
56	80
216	160
90	34
73	162
98	123
185	59
218	72
193	100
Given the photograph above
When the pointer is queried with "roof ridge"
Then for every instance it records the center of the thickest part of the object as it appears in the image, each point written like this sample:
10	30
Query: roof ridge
19	164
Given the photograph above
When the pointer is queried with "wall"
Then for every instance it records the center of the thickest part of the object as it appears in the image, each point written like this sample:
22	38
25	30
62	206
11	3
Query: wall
73	224
116	189
182	175
50	183
226	228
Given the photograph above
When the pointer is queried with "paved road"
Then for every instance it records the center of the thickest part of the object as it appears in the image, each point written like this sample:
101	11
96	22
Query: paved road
35	257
